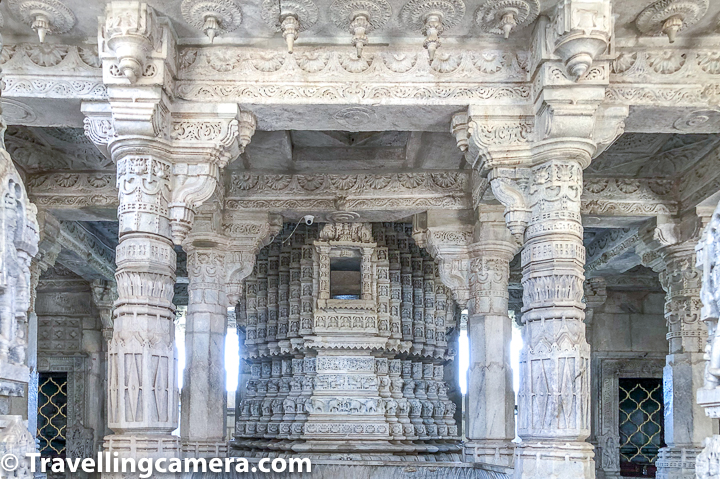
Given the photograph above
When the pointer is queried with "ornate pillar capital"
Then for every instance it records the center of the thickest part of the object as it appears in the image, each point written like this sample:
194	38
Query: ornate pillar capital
235	240
104	294
173	153
449	245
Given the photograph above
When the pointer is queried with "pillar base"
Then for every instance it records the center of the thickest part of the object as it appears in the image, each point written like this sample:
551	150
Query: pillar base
499	453
559	460
143	446
708	461
677	462
207	449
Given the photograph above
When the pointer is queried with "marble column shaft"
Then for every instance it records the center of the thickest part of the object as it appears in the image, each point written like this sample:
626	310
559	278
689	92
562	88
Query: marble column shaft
203	414
554	397
686	425
490	398
142	362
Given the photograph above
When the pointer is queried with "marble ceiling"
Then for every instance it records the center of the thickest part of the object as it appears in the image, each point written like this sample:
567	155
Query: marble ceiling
633	155
255	21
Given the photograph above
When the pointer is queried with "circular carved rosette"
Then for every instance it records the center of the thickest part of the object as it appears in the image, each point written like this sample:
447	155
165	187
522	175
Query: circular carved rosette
343	217
59	18
355	117
705	119
492	16
415	12
343	12
653	19
226	12
305	10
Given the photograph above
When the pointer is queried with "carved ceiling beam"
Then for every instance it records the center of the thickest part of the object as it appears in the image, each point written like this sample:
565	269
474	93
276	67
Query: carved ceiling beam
75	247
673	90
629	197
612	251
85	254
79	196
634	282
347	194
699	183
75	195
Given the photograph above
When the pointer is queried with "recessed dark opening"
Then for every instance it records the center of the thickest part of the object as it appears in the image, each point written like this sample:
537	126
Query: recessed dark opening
345	277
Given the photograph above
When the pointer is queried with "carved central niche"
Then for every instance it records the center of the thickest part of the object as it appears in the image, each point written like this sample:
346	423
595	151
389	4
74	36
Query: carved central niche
345	335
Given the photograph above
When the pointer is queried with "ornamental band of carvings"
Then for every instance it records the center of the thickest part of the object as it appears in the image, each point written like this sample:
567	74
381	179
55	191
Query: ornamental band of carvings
603	196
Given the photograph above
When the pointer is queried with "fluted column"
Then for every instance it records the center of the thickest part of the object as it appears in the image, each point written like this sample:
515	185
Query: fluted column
686	425
490	400
554	397
203	421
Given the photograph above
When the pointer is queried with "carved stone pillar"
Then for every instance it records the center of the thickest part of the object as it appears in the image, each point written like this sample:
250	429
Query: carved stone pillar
490	400
18	245
203	396
217	265
142	362
554	397
708	261
671	251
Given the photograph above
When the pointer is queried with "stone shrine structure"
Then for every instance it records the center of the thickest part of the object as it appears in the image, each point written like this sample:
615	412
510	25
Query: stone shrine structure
355	186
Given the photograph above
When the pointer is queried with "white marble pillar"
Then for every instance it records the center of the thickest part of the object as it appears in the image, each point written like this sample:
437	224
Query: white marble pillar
707	465
203	414
490	400
104	296
554	396
142	361
686	425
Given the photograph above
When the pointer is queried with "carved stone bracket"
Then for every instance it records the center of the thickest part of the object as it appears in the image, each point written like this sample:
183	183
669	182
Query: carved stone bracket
579	33
449	245
134	44
104	295
510	187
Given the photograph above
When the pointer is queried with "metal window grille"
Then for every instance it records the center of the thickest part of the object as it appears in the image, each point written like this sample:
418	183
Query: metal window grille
52	414
641	425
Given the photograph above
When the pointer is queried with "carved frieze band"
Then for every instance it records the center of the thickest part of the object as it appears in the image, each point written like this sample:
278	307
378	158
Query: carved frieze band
687	76
352	192
601	196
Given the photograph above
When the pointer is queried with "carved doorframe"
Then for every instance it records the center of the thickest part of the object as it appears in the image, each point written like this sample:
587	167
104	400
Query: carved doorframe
610	370
79	439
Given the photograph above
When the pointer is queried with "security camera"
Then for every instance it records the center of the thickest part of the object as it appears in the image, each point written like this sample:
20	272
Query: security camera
308	219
